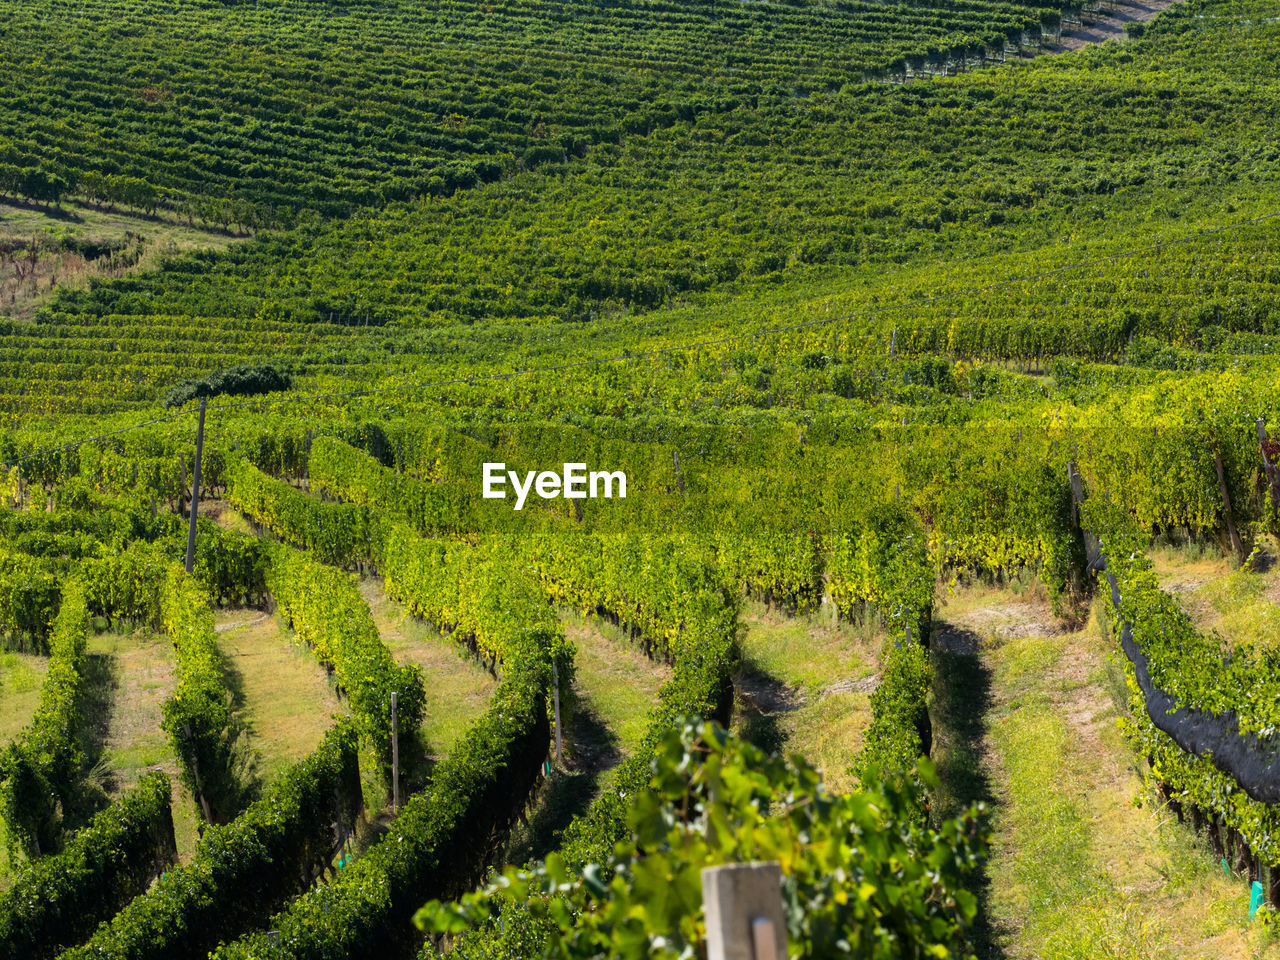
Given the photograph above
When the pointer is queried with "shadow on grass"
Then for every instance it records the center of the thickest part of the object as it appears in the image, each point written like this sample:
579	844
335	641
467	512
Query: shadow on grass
760	701
233	780
99	681
591	750
961	703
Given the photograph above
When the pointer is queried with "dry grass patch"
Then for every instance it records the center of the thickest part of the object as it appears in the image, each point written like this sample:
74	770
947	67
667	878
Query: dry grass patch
458	689
614	679
140	668
1085	863
46	250
806	685
282	695
21	676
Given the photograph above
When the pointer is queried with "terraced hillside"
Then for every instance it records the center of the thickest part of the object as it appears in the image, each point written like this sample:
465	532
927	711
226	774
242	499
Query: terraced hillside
942	376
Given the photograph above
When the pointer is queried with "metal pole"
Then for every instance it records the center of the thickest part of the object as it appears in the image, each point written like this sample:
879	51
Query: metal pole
395	755
555	695
195	490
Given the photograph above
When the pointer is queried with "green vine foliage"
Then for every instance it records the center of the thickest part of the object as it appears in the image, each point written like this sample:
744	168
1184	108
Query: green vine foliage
338	469
1198	673
1197	670
880	559
1196	782
243	870
241	381
197	716
29	598
39	772
330	616
437	846
122	586
338	534
59	900
900	732
863	874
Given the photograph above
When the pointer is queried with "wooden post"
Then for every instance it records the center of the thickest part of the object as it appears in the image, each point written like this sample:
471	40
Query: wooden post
893	342
395	755
1271	469
675	458
195	490
1226	503
555	696
743	903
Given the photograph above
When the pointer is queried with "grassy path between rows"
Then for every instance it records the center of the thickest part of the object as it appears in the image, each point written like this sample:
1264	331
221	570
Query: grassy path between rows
604	719
457	687
131	675
279	690
805	687
1085	864
21	676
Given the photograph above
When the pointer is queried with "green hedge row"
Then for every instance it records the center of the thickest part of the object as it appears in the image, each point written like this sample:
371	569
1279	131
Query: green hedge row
59	900
1189	666
197	715
29	598
885	563
245	869
39	772
667	591
671	598
445	836
340	470
325	607
476	594
338	534
881	560
900	731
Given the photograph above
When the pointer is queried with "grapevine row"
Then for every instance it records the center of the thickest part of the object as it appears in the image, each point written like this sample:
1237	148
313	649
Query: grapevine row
245	869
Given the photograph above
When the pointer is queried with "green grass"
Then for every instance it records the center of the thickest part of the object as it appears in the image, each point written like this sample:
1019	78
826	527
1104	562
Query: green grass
613	679
1238	602
810	651
1085	863
458	689
282	694
21	676
805	687
137	668
605	717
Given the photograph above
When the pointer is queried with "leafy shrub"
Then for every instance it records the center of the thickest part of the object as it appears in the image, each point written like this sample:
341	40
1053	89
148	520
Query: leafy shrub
243	870
863	874
39	772
60	899
241	381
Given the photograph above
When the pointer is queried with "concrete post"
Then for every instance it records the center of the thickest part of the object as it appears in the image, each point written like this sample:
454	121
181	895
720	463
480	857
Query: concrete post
743	903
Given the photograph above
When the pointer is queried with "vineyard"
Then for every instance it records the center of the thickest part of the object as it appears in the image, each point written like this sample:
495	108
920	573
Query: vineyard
941	365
